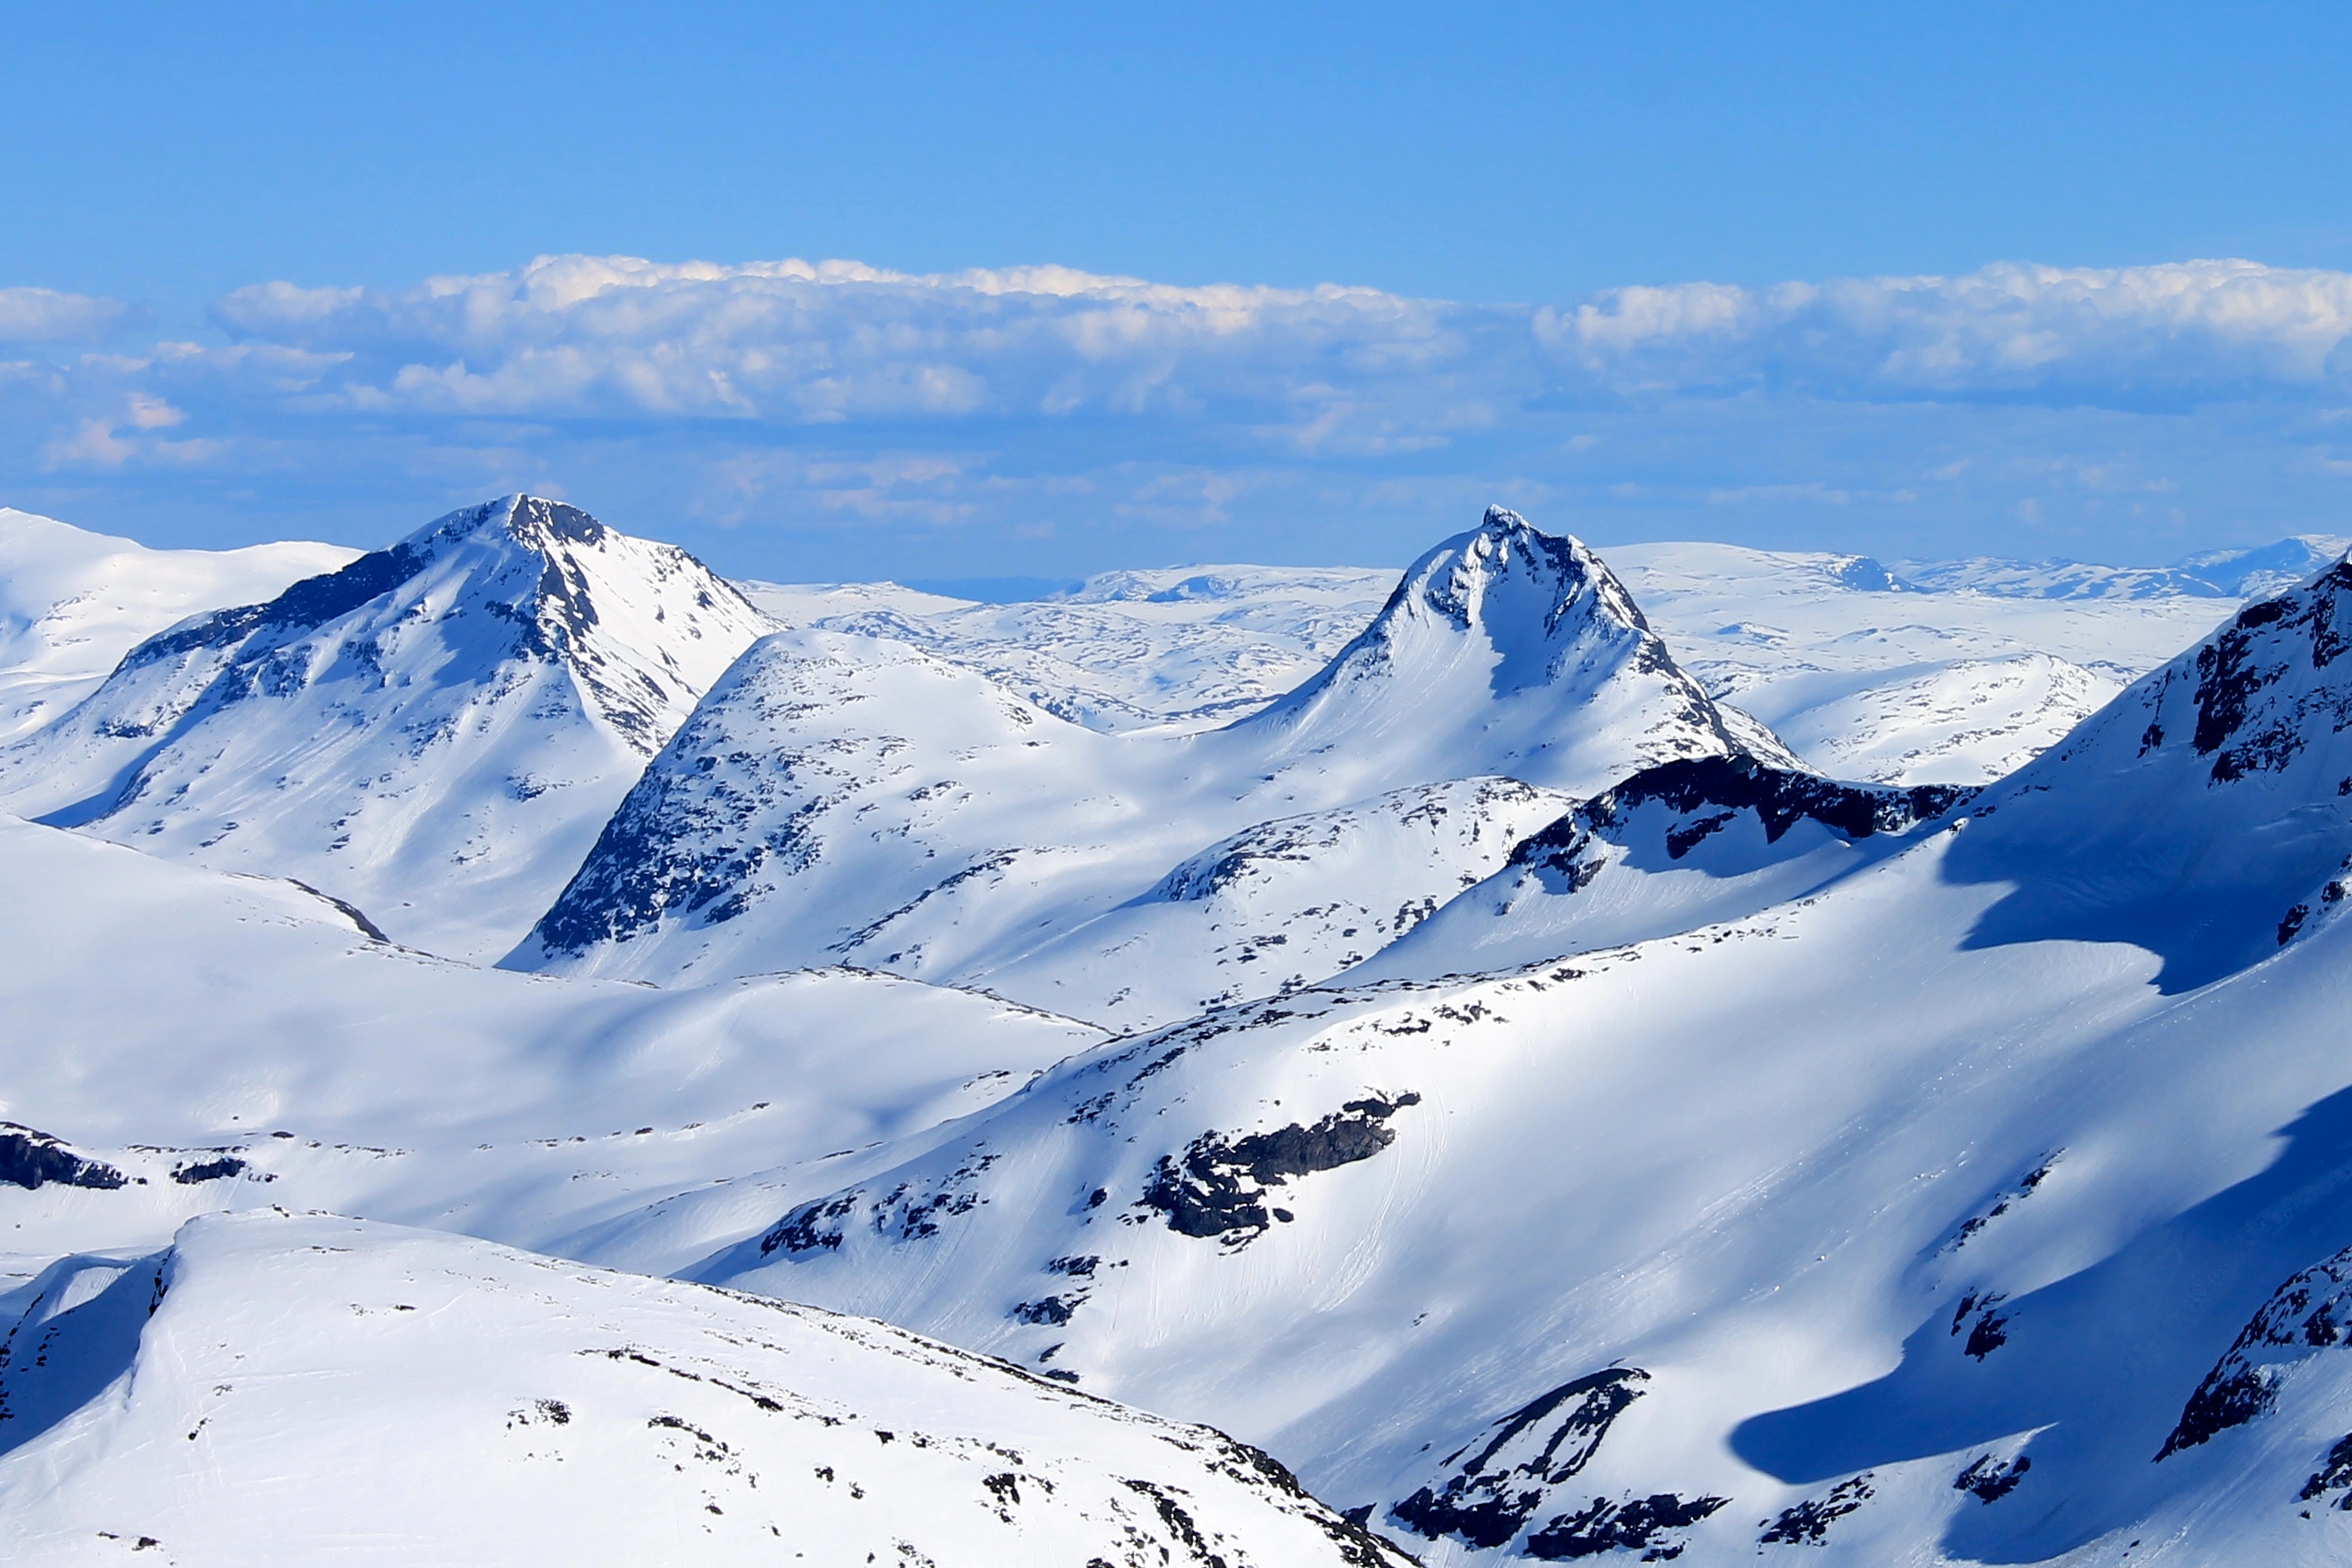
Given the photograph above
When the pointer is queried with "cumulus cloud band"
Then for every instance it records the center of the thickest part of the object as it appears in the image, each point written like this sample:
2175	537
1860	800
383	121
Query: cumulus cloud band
828	341
1014	401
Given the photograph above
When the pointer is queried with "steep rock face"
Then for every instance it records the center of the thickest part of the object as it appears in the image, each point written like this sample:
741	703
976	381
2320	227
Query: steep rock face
1674	848
558	1413
433	733
842	798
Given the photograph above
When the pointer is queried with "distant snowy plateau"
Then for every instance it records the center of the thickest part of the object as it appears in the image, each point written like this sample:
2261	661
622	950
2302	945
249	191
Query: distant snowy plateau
519	1049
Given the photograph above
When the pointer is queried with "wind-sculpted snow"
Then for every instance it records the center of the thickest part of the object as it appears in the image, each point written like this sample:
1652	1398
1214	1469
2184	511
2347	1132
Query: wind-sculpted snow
1281	905
486	1406
434	733
847	799
1679	846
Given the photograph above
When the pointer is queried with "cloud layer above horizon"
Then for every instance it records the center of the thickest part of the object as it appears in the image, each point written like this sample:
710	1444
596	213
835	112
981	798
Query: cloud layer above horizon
806	419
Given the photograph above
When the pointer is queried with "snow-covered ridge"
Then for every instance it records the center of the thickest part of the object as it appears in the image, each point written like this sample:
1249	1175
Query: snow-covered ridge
73	602
433	732
1676	847
851	799
1906	1211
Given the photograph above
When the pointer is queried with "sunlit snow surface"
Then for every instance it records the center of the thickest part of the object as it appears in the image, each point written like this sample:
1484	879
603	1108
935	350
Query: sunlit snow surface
1639	1147
73	602
433	733
316	1390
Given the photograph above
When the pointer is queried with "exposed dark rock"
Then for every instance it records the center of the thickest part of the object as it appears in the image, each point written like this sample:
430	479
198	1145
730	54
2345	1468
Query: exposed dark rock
1810	1521
2026	1185
810	1227
33	1159
2311	1312
2335	1474
1054	1310
1216	1188
1489	1497
1636	1523
220	1167
1710	793
1989	1479
2253	652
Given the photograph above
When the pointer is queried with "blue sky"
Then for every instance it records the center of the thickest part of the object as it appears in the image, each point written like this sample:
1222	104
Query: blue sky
1142	284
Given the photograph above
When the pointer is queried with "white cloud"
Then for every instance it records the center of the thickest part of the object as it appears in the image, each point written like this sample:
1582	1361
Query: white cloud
831	342
1326	368
2195	330
46	316
832	401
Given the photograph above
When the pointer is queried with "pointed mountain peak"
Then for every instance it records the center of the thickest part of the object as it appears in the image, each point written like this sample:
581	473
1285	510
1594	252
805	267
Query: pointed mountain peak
534	522
1510	576
1521	602
1522	647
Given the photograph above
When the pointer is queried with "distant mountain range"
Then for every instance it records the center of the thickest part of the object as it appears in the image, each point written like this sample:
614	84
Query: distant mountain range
1676	1053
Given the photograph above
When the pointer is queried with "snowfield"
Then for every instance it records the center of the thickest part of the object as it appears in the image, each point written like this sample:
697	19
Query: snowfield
1672	1054
309	1389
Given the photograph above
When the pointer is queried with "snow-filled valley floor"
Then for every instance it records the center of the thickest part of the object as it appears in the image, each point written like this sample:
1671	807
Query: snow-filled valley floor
518	1048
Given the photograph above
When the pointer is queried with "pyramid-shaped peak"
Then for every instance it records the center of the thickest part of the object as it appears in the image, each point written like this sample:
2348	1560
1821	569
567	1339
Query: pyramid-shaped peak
535	522
1513	648
1515	583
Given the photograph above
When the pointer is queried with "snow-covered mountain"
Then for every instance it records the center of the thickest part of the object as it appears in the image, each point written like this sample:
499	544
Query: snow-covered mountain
1870	679
848	798
1970	1206
1554	1120
1193	647
73	602
280	1389
2256	572
435	733
1956	673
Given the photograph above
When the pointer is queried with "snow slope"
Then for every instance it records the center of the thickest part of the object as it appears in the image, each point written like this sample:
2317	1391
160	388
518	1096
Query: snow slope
435	733
1871	679
1680	846
1952	672
839	797
317	1390
73	602
1976	1205
1190	646
231	1041
2256	572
